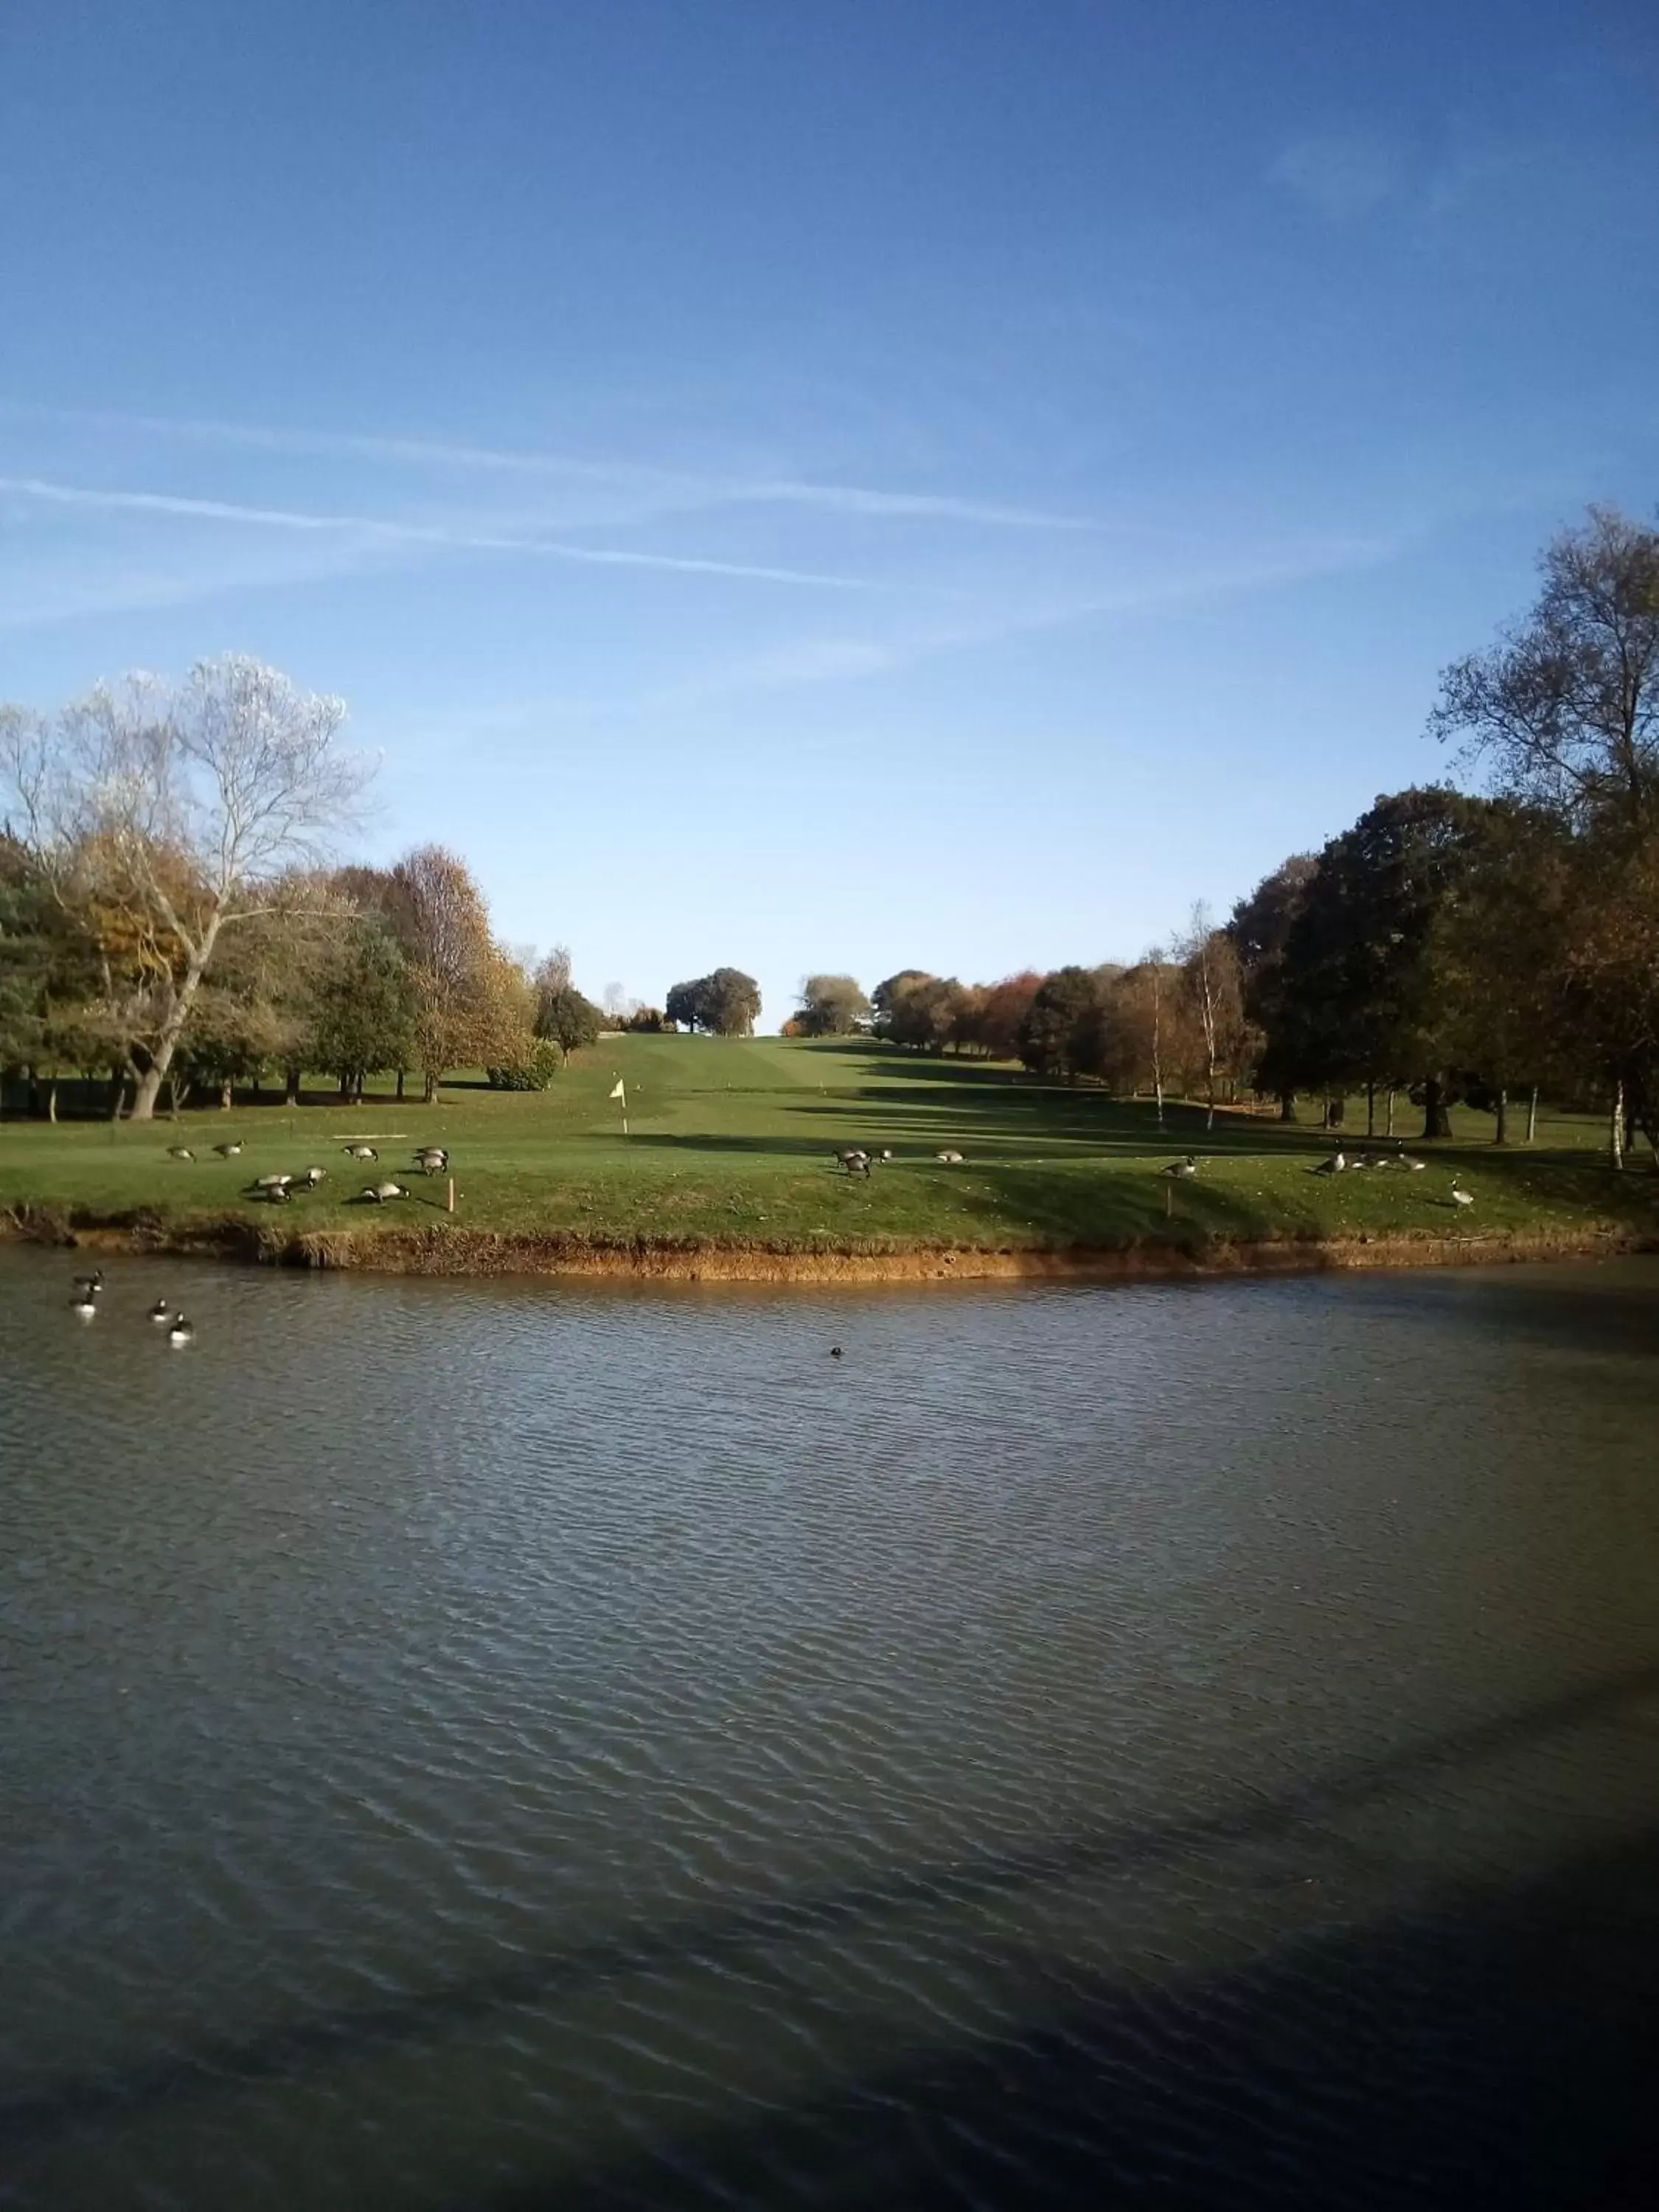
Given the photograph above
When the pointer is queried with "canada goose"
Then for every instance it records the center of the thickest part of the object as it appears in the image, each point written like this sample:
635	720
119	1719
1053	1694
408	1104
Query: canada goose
179	1152
279	1193
88	1286
181	1331
85	1301
160	1310
851	1156
433	1160
836	1351
1186	1167
1334	1165
383	1193
885	1153
314	1175
949	1159
228	1151
1416	1166
360	1152
269	1182
1460	1196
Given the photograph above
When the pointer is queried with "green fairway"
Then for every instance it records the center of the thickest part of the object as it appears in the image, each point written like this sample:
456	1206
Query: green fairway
731	1142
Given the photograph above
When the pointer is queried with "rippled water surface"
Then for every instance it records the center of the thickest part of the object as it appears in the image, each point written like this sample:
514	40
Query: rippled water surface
518	1745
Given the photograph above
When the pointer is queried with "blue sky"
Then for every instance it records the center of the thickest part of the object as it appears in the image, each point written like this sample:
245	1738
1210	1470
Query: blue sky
874	484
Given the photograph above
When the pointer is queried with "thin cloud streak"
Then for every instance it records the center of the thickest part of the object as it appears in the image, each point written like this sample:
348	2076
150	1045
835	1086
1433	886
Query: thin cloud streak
682	488
431	536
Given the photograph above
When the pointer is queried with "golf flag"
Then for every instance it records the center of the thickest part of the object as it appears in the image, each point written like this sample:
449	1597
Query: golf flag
619	1092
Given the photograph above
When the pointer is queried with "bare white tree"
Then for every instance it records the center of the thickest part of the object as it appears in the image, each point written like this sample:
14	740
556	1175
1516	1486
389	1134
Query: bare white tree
181	810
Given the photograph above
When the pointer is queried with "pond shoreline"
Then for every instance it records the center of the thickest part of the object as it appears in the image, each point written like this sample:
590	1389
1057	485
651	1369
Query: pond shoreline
463	1252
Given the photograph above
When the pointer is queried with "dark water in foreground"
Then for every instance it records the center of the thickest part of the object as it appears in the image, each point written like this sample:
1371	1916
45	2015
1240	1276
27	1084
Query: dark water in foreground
508	1746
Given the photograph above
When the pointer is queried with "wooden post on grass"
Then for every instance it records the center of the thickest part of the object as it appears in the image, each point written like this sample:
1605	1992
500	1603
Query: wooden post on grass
1168	1202
449	1208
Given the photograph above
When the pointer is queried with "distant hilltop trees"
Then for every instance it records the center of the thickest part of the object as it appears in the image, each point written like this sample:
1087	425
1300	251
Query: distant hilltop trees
725	1004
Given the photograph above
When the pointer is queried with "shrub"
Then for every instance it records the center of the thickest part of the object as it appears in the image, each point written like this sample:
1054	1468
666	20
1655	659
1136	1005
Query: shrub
533	1074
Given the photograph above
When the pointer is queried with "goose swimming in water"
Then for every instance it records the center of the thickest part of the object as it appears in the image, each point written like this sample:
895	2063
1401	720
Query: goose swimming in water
88	1286
181	1331
160	1310
85	1301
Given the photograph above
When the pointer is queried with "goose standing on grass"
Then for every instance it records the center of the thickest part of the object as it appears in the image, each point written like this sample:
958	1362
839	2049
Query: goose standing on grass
229	1151
949	1159
1460	1196
360	1152
181	1331
313	1176
179	1152
432	1159
1336	1165
160	1310
1183	1167
382	1193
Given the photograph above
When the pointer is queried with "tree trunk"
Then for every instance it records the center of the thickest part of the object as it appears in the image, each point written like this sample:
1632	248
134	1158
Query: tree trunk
51	1100
224	1099
345	1090
431	1093
1501	1134
1371	1109
1532	1114
118	1092
400	1082
1387	1124
1437	1122
1287	1105
1616	1128
167	1044
291	1086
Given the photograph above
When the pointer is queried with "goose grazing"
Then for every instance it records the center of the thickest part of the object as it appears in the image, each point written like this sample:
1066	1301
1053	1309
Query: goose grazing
1186	1167
279	1193
432	1159
1334	1165
949	1159
273	1186
1461	1197
360	1152
314	1175
179	1152
85	1301
181	1331
228	1151
160	1310
383	1193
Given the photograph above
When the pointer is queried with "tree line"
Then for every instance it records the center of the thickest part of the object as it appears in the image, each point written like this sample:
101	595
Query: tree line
1450	945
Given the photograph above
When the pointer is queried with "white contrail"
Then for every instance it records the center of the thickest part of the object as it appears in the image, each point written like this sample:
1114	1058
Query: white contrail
416	534
696	487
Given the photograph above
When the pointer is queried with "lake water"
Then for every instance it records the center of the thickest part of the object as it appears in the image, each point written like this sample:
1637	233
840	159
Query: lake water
516	1745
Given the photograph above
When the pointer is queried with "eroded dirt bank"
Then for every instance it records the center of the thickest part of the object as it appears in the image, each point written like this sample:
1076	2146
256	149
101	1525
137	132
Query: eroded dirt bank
458	1251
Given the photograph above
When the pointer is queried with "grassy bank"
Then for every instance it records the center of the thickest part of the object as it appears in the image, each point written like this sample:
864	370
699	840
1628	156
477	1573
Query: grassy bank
730	1153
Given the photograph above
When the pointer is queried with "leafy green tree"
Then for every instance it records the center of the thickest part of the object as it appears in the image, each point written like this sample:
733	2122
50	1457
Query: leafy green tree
362	1004
568	1020
831	1005
1259	928
1064	1032
1363	987
734	1003
687	1004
